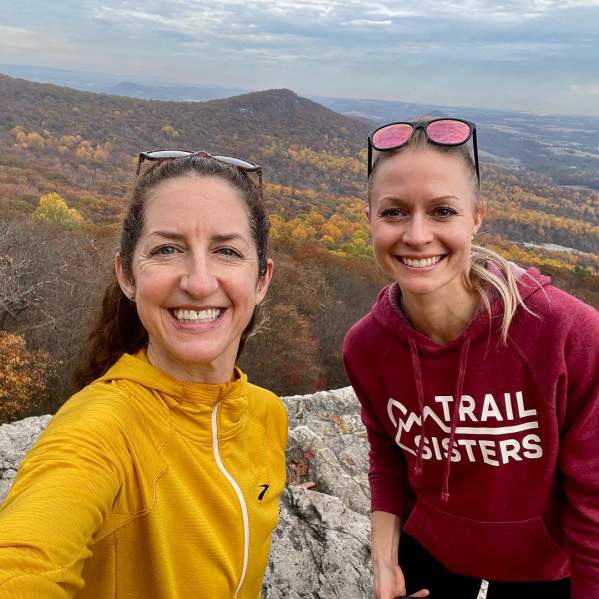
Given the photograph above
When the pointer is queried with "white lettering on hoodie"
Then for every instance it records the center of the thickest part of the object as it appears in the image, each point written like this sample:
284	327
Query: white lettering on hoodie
501	443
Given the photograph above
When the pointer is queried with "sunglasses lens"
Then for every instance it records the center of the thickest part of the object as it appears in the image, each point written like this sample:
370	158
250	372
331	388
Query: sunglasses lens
391	136
448	131
165	154
247	166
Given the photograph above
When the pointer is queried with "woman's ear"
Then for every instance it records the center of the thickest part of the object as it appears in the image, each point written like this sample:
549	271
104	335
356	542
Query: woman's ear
264	281
481	210
124	283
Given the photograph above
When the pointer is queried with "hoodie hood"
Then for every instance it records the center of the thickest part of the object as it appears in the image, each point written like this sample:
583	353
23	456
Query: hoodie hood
190	405
388	313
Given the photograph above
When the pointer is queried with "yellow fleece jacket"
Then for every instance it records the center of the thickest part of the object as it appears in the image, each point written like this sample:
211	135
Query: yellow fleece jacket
143	487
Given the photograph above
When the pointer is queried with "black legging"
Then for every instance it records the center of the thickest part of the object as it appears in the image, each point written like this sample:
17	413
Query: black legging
422	570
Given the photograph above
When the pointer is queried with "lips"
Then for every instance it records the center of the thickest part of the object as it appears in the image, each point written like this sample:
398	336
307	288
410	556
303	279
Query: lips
421	262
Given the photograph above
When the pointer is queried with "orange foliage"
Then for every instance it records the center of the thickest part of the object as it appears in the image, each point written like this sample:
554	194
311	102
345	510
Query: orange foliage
23	376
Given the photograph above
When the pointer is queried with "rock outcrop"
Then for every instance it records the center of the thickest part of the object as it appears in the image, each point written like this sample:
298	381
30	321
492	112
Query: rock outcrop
321	548
15	440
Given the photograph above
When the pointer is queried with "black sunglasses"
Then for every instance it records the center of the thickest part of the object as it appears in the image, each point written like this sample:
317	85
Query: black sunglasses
162	155
441	131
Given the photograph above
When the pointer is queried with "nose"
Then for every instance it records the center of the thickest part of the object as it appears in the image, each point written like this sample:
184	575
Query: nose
417	232
199	278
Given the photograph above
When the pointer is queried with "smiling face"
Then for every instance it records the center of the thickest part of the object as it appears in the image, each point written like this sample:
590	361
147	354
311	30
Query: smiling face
422	217
195	273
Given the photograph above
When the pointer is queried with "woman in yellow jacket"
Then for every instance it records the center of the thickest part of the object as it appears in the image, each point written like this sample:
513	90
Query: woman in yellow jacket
161	477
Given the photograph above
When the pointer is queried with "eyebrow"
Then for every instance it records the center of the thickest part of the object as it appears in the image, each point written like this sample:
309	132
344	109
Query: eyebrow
218	238
398	200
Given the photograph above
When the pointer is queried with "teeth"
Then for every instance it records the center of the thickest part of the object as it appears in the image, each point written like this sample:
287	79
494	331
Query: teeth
197	315
422	262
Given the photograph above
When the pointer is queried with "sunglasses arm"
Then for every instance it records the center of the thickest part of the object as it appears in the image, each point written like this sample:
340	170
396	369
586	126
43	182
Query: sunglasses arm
475	145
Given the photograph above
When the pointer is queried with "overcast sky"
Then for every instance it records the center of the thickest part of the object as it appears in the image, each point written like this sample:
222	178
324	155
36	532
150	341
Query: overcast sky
536	55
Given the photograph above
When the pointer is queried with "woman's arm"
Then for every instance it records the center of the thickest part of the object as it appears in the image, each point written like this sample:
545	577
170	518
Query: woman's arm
384	540
579	454
389	580
64	490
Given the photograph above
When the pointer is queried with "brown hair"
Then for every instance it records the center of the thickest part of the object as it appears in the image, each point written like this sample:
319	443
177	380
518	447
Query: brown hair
118	329
478	276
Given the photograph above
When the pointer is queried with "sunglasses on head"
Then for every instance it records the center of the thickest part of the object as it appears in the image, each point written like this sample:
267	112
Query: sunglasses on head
162	155
442	132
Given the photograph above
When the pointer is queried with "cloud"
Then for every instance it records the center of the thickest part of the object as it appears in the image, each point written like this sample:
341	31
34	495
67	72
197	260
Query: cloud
543	49
584	90
19	38
367	23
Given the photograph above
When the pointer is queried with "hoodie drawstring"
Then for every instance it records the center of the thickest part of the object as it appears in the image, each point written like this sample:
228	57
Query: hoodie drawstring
454	416
420	393
457	400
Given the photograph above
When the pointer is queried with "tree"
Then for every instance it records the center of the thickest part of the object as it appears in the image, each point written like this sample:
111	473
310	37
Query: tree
23	377
54	210
170	132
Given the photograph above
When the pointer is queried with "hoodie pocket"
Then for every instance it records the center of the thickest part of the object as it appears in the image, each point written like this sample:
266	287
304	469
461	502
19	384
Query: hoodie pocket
512	551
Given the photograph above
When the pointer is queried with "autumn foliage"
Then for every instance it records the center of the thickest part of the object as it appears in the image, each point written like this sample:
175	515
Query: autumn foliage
23	375
53	209
68	162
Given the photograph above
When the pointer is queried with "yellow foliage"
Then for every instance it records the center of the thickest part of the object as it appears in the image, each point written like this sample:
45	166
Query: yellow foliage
299	232
328	229
83	153
53	209
169	131
70	141
315	218
100	154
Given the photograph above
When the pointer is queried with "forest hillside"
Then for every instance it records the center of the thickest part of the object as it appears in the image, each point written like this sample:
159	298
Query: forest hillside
68	160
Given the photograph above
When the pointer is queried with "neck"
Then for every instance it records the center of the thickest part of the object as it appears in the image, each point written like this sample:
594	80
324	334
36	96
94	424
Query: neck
221	371
441	316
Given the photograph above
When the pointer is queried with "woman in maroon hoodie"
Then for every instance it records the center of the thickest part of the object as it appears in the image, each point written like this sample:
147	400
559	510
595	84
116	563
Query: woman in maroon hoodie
479	385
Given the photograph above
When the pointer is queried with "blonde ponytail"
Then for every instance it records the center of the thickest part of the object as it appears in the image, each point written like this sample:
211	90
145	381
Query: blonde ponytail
489	269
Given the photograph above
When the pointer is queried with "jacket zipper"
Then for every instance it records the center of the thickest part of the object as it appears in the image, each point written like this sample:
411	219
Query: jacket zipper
240	497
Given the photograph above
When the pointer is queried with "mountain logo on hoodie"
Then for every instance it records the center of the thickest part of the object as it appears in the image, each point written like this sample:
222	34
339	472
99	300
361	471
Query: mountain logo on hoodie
498	436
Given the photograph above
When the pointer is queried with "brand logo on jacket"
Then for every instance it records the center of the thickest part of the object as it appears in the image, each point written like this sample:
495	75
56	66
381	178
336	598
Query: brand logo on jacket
263	492
507	422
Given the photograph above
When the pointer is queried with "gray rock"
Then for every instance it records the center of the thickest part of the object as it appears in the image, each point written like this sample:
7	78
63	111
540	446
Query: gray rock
15	440
328	446
321	548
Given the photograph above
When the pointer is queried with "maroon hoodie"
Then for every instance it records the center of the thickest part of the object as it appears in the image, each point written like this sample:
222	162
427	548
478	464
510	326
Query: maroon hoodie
517	498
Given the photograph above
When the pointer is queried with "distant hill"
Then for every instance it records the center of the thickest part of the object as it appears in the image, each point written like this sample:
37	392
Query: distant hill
561	146
141	87
172	93
83	145
259	126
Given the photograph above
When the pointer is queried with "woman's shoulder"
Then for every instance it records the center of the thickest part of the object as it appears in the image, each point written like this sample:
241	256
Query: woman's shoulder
554	321
265	400
101	408
374	323
561	308
269	410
